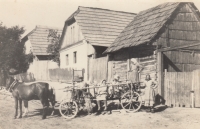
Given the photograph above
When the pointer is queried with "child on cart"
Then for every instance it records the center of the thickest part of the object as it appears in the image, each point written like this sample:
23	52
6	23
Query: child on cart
116	81
102	93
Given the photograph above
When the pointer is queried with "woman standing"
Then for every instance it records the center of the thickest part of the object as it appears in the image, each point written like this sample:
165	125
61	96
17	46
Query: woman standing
150	87
134	70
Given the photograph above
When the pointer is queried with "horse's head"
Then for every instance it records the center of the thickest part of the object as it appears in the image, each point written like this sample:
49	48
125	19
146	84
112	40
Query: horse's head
9	81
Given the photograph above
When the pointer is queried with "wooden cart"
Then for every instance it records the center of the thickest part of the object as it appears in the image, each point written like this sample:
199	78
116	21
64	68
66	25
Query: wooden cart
127	93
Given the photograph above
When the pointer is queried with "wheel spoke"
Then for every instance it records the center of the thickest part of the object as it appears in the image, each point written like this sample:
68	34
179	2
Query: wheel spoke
130	105
131	101
125	100
127	104
125	97
137	105
65	111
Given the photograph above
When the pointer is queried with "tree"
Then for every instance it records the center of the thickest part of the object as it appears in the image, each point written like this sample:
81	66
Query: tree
11	49
53	48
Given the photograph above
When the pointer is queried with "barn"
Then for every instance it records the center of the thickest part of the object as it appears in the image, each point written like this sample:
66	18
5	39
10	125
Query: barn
165	41
36	42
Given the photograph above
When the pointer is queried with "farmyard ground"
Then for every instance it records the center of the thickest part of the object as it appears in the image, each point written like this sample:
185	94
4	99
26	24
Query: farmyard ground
171	118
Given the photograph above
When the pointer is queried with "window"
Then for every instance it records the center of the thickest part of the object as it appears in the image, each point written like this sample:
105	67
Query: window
72	34
67	59
75	57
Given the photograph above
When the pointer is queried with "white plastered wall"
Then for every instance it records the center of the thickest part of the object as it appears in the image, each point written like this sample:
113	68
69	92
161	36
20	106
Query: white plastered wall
82	59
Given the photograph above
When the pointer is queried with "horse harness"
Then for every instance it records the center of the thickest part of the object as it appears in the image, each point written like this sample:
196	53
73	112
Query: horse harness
12	86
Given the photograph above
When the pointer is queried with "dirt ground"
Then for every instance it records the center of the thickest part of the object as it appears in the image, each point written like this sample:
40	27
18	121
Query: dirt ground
170	118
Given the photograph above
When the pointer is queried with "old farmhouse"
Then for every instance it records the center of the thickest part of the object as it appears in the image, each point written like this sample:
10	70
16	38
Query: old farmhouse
162	38
86	35
36	42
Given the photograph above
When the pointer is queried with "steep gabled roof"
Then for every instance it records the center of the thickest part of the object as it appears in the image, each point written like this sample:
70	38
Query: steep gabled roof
145	26
38	39
100	27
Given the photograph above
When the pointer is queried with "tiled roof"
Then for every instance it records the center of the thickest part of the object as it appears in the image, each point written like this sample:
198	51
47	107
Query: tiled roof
38	39
101	27
144	27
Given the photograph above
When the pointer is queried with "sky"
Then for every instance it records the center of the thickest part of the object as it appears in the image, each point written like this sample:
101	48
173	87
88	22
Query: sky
53	13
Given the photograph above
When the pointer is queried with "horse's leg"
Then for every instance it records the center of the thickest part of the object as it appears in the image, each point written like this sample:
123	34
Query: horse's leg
45	104
118	105
26	108
20	108
52	104
16	108
52	100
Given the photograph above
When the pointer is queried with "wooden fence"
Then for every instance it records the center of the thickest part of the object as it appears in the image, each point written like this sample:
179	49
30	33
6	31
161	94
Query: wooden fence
98	68
65	75
182	89
61	74
196	88
41	70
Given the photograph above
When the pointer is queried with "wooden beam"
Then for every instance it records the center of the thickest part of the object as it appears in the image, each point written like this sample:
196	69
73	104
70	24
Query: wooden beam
179	47
108	57
160	73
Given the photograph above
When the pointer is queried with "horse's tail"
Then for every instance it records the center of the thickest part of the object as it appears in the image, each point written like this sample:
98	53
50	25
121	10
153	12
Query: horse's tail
51	95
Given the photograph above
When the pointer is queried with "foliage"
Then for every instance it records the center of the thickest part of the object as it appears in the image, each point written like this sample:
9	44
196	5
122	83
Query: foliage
11	49
53	48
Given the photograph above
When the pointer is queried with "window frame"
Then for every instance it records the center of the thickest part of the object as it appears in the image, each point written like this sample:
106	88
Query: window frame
67	59
75	57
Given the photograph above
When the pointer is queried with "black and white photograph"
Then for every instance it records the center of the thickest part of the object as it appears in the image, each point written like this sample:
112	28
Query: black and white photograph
99	64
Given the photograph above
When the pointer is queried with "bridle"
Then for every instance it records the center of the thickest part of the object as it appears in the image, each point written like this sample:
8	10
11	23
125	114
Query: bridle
12	85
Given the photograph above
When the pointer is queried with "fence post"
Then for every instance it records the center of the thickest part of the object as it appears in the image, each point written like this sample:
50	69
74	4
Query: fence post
192	91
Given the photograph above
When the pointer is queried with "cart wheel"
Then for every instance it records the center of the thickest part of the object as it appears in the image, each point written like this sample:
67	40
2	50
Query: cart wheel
131	103
68	109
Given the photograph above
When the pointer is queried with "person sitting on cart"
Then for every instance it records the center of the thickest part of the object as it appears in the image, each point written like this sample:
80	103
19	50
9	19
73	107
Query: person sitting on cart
149	96
116	81
102	92
116	88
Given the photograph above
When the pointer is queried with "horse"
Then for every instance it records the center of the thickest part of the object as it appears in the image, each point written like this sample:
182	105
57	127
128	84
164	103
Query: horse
25	92
51	98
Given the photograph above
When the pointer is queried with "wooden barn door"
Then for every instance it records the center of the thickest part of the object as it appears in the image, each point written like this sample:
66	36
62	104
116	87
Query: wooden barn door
98	68
177	89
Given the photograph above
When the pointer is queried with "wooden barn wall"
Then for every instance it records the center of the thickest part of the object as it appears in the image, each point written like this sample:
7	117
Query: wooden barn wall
181	61
120	63
184	28
147	59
